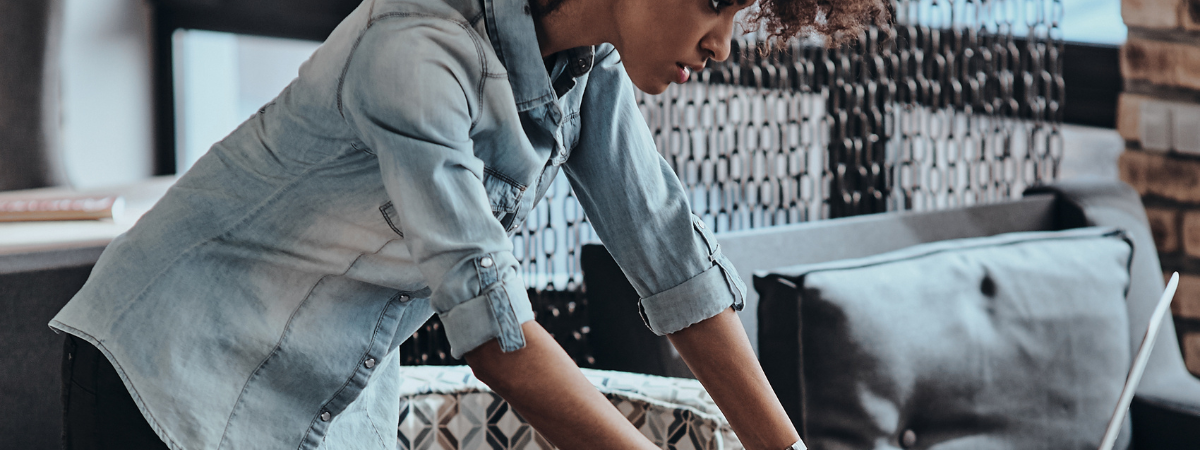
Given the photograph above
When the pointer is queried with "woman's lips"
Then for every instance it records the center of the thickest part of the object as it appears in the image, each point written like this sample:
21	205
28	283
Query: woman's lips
682	75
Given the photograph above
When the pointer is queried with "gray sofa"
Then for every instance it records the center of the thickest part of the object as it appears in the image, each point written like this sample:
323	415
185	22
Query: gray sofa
1166	411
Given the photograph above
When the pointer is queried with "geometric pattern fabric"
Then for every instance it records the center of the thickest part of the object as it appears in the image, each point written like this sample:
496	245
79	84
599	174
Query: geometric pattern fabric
447	408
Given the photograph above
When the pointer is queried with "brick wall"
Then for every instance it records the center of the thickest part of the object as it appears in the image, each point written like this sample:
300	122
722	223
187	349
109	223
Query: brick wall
1159	118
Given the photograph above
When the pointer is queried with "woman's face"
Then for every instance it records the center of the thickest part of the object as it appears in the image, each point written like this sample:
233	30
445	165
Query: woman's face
664	41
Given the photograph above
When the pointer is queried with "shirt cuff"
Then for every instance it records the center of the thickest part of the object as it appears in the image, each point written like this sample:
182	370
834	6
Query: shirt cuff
497	313
699	298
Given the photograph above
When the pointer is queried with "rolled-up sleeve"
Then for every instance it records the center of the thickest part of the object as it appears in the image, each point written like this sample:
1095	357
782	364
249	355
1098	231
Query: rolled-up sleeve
640	210
410	92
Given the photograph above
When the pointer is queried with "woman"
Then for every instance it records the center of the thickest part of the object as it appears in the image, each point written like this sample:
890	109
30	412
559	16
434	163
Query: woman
261	302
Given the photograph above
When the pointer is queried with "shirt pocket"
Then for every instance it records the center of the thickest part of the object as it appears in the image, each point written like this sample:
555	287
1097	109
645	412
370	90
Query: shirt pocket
389	215
504	195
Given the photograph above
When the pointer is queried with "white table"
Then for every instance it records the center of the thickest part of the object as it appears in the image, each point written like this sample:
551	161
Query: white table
33	237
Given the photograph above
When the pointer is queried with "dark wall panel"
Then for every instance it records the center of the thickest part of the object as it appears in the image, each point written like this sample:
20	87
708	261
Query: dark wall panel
31	359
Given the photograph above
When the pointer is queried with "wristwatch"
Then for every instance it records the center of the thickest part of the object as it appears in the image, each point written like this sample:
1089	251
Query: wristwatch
799	445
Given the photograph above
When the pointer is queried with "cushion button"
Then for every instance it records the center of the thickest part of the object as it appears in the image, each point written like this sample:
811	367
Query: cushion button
369	363
486	262
325	416
909	439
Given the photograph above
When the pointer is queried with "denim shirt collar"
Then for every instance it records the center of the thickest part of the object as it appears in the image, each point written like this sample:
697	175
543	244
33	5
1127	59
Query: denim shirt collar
514	38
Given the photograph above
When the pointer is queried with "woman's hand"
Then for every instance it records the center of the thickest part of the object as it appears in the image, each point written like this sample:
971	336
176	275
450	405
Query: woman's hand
719	354
543	384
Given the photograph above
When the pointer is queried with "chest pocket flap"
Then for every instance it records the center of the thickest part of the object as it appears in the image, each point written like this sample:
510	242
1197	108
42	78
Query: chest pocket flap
503	193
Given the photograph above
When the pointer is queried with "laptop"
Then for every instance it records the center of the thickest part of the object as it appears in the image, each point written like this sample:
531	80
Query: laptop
1139	365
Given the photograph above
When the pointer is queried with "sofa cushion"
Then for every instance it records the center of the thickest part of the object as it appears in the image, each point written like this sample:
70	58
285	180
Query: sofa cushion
1010	341
447	408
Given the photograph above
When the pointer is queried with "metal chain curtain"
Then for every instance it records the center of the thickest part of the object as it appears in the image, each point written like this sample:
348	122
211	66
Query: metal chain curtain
962	105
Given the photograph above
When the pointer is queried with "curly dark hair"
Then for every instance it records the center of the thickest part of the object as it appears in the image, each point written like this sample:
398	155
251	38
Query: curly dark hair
837	21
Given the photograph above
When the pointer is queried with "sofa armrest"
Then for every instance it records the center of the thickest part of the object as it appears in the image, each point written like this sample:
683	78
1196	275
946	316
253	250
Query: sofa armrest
1100	202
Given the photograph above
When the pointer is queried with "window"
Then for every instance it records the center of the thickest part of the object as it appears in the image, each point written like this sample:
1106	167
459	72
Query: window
221	79
1093	22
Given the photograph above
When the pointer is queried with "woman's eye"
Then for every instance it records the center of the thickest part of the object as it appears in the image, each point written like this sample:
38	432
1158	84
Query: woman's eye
719	5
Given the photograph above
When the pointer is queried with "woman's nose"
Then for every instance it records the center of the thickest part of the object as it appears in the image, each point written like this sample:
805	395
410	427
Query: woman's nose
716	42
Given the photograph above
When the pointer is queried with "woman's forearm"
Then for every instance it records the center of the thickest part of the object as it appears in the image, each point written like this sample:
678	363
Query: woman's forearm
544	385
719	354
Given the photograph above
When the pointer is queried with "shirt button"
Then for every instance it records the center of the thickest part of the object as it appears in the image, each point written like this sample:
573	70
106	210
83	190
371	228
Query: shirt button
909	439
486	262
369	363
325	416
403	298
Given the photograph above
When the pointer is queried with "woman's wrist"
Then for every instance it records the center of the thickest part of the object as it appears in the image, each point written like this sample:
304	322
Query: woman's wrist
719	354
799	445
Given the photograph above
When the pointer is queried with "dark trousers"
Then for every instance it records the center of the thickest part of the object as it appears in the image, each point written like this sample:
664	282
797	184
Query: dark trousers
98	412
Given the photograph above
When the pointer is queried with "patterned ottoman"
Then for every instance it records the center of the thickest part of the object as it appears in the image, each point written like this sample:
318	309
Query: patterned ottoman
447	408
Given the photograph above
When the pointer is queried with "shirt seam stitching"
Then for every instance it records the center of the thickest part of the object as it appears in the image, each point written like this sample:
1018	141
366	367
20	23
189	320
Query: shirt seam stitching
274	197
374	335
505	178
479	55
375	429
287	329
275	349
541	99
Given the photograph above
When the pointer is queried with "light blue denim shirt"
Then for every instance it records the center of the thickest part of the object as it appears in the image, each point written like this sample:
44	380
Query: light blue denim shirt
261	302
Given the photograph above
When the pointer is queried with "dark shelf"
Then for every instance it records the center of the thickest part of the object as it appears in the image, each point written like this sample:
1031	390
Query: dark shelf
1092	76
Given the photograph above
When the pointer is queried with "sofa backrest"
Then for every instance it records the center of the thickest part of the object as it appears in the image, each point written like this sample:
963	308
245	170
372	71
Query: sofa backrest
612	302
852	237
1009	341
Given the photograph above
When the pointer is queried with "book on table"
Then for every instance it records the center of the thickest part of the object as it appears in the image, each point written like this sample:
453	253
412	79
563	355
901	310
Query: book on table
60	208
